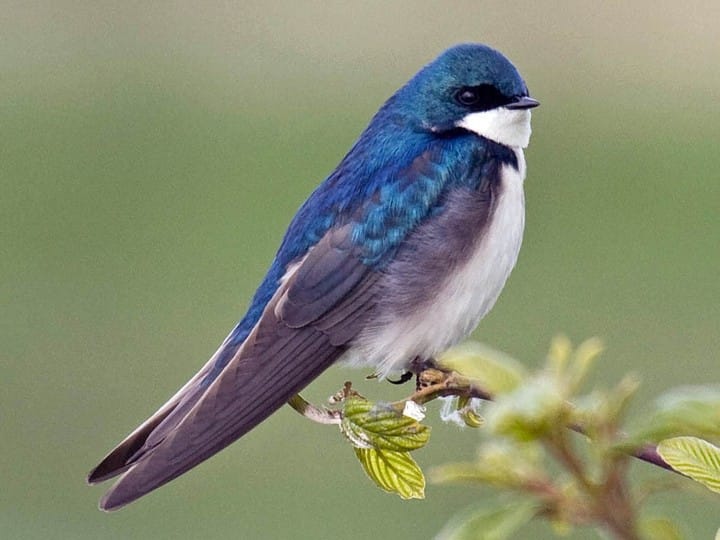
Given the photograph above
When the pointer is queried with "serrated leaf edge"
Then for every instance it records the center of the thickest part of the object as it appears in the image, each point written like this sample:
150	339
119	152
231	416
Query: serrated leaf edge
394	472
693	457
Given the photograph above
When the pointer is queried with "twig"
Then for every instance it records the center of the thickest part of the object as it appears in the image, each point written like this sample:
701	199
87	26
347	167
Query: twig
440	383
321	415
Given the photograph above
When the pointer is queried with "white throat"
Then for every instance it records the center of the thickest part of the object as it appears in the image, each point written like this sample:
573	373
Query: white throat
509	127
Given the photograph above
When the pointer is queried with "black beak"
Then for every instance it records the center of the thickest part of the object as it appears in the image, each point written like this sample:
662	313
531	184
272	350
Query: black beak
523	102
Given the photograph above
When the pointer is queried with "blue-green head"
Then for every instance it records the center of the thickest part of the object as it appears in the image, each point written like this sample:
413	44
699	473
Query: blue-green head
471	87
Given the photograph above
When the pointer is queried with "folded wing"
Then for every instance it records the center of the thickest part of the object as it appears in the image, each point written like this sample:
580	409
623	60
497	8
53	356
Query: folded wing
319	307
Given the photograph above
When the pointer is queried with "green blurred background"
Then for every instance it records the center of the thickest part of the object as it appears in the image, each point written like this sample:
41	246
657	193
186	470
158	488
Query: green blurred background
153	154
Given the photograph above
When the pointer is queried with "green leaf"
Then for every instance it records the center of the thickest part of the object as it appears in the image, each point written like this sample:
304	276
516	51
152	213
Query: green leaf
489	524
462	411
392	471
559	353
470	417
453	473
583	360
690	410
693	457
530	411
502	463
622	395
370	425
495	371
602	408
659	529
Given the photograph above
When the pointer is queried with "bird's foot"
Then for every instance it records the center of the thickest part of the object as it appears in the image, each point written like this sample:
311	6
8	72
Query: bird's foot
430	377
405	377
425	372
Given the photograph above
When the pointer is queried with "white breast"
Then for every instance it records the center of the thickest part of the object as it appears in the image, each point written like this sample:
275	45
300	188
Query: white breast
464	298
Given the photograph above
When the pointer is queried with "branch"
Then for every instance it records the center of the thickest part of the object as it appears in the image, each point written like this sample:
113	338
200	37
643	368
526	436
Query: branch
320	415
434	383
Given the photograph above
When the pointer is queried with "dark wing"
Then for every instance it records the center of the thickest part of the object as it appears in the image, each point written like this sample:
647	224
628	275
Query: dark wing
304	328
135	445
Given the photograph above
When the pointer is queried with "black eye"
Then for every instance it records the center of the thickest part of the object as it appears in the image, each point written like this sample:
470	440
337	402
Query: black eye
481	98
467	96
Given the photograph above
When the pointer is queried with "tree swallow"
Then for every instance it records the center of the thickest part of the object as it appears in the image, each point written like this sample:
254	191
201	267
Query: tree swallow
395	257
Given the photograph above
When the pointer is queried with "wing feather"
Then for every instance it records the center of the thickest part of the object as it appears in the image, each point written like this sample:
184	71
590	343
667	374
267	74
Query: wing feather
302	331
136	443
323	301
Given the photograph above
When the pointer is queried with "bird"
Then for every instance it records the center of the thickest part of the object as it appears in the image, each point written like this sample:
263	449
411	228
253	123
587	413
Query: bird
396	256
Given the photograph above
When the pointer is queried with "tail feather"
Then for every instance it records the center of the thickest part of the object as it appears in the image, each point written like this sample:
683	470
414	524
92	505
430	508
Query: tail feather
121	457
257	382
151	432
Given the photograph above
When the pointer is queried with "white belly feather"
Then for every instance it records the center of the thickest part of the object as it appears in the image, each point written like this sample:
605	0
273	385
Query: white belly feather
464	298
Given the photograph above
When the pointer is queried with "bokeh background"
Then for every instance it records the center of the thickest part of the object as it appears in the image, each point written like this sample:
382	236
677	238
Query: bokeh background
152	155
